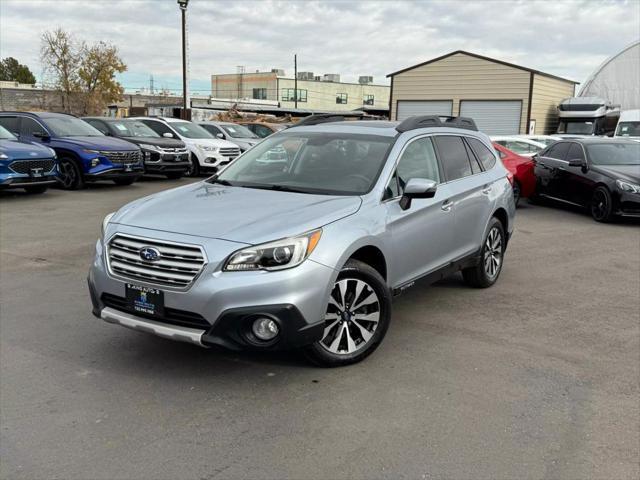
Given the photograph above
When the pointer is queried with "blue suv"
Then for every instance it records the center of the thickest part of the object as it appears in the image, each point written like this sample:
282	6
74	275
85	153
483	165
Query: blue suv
84	154
26	165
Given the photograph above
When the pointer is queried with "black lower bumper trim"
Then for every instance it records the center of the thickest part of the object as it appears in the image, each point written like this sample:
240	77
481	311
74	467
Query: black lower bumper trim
28	182
111	175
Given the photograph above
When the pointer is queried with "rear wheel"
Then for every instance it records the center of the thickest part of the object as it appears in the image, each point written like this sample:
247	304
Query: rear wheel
517	189
70	174
174	175
36	189
123	182
356	319
488	270
601	205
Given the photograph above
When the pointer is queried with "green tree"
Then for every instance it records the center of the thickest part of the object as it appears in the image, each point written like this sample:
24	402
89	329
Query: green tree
13	71
98	67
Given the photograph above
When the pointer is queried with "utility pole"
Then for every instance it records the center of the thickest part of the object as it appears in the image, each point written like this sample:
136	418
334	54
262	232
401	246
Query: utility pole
295	79
151	84
185	97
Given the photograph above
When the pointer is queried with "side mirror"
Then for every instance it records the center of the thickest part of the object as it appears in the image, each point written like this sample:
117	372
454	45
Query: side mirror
219	135
167	135
41	135
417	188
576	162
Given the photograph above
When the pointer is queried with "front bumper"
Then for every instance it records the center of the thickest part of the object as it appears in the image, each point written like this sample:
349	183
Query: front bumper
219	307
628	204
21	181
114	173
166	166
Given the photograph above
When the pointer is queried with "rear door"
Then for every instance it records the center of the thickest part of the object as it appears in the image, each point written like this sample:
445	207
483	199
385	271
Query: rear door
551	168
470	192
422	234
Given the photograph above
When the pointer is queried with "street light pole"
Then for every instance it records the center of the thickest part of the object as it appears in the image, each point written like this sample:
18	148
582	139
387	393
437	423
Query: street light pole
295	80
183	8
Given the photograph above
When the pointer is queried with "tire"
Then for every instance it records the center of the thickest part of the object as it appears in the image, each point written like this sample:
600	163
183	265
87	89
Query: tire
601	206
488	270
350	334
516	192
70	174
174	175
123	182
194	168
36	189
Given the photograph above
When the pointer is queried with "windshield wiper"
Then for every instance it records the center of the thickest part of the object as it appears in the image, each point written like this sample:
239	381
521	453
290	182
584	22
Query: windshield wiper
278	188
220	182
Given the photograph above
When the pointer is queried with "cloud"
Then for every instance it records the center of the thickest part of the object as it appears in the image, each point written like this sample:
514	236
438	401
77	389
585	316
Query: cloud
353	38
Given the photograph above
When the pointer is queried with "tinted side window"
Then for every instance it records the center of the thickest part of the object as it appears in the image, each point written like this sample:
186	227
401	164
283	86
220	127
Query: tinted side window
475	163
575	152
486	157
30	126
99	125
158	127
11	124
417	161
213	130
453	156
262	131
558	150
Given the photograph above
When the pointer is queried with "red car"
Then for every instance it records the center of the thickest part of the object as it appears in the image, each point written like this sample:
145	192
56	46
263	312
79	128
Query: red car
524	181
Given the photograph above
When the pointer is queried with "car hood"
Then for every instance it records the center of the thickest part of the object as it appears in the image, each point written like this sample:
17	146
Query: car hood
630	173
156	142
97	143
237	214
16	150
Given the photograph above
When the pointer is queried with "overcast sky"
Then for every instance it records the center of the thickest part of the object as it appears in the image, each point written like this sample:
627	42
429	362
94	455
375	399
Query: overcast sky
352	38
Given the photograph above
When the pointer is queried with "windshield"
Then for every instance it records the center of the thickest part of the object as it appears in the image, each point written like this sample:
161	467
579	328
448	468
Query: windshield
628	129
190	130
614	153
577	126
238	131
71	127
321	163
6	134
133	128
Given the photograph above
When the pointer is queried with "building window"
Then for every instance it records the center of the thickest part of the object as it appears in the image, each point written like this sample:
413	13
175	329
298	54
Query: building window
288	95
341	98
368	100
260	93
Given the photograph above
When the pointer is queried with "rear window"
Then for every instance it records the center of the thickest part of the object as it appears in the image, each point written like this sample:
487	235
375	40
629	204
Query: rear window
10	123
486	157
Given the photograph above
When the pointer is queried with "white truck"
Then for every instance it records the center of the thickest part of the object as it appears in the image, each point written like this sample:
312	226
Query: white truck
586	116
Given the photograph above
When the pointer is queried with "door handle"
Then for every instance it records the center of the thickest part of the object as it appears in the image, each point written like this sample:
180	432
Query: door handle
446	205
486	190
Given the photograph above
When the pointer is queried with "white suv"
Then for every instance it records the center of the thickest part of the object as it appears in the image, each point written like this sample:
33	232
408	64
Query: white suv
208	153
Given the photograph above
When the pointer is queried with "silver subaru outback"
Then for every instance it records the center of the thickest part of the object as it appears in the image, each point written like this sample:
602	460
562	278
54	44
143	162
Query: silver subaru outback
306	248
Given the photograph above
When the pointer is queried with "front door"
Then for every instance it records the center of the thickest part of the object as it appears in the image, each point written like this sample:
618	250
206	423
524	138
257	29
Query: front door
551	170
421	235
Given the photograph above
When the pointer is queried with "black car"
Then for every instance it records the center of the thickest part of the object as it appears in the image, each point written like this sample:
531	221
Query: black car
164	156
598	173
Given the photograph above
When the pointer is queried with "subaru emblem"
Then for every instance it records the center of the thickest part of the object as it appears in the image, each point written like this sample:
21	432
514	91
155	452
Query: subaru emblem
149	254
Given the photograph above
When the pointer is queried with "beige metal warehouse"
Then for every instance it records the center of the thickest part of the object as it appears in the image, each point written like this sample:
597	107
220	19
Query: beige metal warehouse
501	97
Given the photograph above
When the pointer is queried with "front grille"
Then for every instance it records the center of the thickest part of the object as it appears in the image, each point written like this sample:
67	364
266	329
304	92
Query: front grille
230	152
119	158
177	266
172	316
25	166
177	151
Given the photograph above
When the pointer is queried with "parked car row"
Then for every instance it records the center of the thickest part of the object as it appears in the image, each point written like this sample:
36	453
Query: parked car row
77	151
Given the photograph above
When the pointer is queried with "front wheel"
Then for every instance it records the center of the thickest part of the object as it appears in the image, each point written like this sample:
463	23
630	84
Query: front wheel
356	319
488	270
36	189
601	205
70	174
194	168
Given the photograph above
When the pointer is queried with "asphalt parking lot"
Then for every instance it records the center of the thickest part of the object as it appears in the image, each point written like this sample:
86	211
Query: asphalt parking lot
537	377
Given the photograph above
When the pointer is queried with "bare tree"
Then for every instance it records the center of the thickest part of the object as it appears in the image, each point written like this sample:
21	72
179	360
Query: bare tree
60	55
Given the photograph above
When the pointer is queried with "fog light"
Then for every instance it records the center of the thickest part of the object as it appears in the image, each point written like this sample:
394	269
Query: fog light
265	329
95	162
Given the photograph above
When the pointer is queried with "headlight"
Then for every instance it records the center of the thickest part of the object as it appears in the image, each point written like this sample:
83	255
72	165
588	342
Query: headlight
146	146
208	148
278	255
3	156
628	187
105	222
53	152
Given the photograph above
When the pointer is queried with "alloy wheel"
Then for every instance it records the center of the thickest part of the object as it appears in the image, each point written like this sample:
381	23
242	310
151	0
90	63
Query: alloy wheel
352	317
516	193
68	174
600	205
493	253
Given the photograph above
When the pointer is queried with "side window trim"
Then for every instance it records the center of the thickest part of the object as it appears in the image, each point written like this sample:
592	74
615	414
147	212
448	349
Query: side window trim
394	170
463	137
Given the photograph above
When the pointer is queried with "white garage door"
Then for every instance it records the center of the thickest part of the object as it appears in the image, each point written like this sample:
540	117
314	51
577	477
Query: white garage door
409	108
494	117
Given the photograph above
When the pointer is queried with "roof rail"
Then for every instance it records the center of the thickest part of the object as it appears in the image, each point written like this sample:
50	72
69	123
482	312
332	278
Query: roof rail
318	118
426	121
